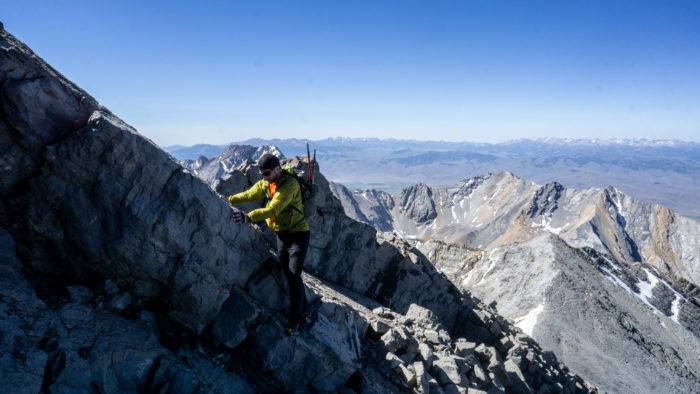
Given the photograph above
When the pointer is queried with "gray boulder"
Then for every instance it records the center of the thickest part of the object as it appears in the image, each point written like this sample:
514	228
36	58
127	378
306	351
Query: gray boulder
114	195
426	353
231	325
446	370
379	326
479	376
420	314
397	340
464	348
422	377
516	378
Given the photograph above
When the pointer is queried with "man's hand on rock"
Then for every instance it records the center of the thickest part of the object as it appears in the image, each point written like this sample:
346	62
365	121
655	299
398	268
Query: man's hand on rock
240	216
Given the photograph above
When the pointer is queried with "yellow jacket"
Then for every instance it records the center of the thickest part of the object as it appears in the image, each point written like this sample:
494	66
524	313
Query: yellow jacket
284	211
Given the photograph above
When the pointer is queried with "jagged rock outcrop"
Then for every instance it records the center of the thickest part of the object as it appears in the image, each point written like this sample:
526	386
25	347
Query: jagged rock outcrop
546	200
230	159
132	269
372	208
417	203
194	165
94	204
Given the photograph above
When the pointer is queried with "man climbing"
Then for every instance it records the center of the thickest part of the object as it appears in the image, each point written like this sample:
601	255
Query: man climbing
284	214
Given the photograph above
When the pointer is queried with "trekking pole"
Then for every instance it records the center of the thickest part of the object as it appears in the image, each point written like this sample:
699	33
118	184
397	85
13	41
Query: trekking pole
309	168
313	167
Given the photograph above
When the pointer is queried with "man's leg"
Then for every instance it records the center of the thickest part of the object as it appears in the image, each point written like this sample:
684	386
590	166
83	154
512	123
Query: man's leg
283	250
296	251
283	244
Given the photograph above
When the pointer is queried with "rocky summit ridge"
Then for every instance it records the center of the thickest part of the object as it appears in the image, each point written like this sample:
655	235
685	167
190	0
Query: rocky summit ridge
123	272
500	208
561	262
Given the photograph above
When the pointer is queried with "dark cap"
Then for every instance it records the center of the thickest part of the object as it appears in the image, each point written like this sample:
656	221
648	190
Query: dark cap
268	161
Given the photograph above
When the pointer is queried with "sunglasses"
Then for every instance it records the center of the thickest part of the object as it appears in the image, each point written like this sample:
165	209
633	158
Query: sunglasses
265	172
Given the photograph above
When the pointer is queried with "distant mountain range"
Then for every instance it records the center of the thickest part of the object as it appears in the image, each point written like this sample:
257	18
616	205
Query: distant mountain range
661	171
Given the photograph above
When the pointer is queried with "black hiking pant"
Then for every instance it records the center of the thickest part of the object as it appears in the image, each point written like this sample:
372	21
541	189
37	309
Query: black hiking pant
291	247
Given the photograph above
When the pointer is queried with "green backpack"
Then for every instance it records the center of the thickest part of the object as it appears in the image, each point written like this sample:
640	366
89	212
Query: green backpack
307	189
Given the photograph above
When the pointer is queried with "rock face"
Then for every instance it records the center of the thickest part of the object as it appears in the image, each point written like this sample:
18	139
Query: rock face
417	203
373	208
561	262
123	272
95	195
72	345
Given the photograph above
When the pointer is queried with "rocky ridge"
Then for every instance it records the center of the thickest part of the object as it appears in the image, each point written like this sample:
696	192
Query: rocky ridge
521	245
123	272
496	209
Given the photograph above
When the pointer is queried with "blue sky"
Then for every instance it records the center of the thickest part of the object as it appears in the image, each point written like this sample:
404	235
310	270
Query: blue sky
186	72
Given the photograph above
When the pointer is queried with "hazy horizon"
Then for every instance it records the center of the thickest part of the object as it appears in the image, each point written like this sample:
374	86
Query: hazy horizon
536	139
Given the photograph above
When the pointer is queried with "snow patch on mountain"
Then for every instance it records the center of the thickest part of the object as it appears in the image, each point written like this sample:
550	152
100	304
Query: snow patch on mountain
528	321
646	287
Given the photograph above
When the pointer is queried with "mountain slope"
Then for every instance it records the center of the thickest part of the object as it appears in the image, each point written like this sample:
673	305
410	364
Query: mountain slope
560	262
637	338
123	272
495	209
